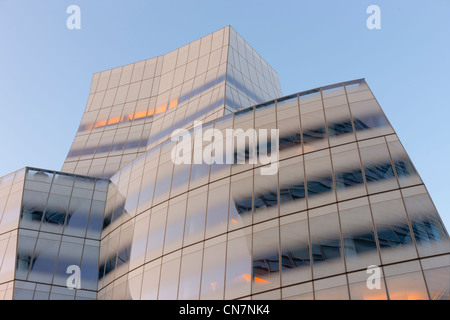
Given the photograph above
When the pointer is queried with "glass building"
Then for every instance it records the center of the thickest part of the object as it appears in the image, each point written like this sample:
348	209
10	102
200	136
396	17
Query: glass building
345	198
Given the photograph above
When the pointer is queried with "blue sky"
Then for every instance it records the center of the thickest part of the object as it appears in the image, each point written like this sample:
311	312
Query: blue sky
46	69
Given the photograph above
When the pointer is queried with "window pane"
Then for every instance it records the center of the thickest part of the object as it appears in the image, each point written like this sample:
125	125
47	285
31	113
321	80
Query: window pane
89	265
84	183
266	261
429	232
266	197
339	122
55	213
219	171
180	181
358	235
95	219
148	180
213	273
292	186
44	259
217	214
164	179
77	217
394	235
169	280
123	251
437	277
359	289
298	292
175	224
195	216
33	209
150	283
405	282
39	176
377	165
356	86
25	247
406	173
369	119
327	252
69	254
238	272
156	233
140	235
191	265
331	289
336	90
319	179
288	123
314	132
348	172
295	250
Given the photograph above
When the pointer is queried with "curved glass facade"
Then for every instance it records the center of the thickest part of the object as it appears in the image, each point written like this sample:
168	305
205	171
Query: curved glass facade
346	197
334	200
